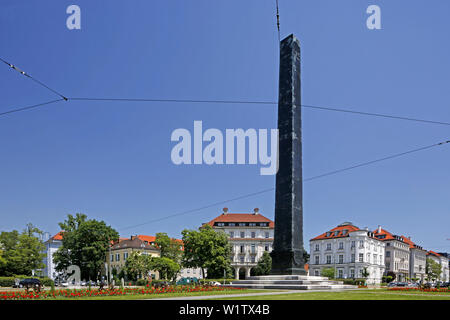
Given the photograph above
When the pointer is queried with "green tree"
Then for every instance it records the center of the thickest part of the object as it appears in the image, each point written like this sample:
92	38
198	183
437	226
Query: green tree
85	243
365	274
264	265
433	270
136	265
21	252
170	248
167	268
328	272
207	249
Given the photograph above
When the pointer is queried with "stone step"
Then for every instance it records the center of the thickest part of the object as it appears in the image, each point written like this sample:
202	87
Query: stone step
293	286
281	277
291	282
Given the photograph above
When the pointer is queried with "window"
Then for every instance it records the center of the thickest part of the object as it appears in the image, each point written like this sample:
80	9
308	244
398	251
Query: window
242	234
328	246
317	247
388	254
316	273
252	224
361	257
328	234
266	235
125	255
352	273
117	256
344	232
112	258
266	248
242	224
253	248
220	224
253	234
328	259
316	260
263	224
353	257
231	224
341	245
242	249
341	258
340	273
231	234
361	244
252	259
242	259
353	244
336	233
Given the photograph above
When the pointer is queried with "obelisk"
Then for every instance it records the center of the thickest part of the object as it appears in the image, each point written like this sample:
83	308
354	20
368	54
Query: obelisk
287	254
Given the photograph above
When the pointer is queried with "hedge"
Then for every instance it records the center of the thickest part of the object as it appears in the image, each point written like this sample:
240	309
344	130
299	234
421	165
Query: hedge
10	281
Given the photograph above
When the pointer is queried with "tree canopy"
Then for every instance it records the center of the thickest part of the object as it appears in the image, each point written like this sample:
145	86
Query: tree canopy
207	249
433	269
21	253
264	265
85	243
169	247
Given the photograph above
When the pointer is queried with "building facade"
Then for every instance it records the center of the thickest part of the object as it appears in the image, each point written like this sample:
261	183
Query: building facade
349	251
121	250
250	235
51	246
397	254
417	260
443	261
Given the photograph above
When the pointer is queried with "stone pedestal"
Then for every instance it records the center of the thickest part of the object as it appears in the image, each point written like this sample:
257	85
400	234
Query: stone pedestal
290	282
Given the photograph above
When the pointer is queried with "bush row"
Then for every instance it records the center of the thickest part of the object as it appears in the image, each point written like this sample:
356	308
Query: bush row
10	281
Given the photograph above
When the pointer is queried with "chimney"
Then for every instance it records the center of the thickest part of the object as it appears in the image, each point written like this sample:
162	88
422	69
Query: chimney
255	211
225	210
379	229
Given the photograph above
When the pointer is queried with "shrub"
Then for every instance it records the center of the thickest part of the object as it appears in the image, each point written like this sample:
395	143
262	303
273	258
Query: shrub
10	281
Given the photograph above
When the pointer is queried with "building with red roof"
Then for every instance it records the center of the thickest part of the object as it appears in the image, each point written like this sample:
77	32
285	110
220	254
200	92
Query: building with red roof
349	250
397	253
250	234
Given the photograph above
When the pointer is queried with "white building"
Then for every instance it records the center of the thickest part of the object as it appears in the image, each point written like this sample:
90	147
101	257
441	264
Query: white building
250	234
443	261
397	254
51	245
417	260
349	250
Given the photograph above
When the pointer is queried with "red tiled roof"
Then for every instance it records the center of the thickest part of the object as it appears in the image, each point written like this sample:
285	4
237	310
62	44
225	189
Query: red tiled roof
241	217
57	236
340	234
389	236
433	253
408	241
149	239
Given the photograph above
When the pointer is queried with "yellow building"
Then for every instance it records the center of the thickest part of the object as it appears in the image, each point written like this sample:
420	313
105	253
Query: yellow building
121	250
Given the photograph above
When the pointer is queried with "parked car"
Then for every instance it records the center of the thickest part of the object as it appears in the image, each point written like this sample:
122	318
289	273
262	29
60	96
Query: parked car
30	283
214	283
392	284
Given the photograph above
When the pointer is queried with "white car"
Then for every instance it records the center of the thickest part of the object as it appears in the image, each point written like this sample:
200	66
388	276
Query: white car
214	283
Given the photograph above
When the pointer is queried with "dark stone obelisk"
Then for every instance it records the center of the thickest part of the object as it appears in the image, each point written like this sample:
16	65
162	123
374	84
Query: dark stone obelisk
287	254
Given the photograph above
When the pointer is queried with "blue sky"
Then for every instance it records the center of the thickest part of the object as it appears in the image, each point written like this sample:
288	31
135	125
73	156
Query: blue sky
111	160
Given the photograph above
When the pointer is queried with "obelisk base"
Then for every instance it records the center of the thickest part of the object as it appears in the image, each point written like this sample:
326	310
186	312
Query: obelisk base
288	263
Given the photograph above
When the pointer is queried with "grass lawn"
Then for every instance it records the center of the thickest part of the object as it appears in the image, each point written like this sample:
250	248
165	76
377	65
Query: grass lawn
369	294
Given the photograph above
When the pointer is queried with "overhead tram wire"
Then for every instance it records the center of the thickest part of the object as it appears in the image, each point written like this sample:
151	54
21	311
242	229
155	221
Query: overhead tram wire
252	103
304	180
30	107
32	78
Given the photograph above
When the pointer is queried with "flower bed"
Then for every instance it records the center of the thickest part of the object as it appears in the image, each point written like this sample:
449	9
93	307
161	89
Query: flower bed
76	293
441	290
